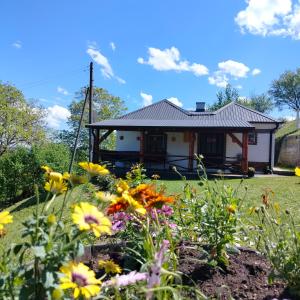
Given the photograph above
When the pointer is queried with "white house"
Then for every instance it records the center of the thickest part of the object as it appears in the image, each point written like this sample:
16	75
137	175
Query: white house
162	135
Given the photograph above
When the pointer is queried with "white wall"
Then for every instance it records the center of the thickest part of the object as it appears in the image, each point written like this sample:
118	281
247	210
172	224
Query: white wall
233	149
179	147
260	152
129	142
256	153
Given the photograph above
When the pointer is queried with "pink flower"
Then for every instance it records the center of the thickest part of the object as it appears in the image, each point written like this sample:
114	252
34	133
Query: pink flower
127	279
167	210
155	270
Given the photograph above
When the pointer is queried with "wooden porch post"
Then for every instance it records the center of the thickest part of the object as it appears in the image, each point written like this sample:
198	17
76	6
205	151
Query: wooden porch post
245	153
191	150
142	146
96	146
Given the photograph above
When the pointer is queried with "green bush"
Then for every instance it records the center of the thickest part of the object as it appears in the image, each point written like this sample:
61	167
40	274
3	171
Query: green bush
17	174
20	169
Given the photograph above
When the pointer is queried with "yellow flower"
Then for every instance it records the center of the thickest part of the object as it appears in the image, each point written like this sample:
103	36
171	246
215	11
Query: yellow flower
46	169
57	294
122	186
56	187
51	219
124	203
276	207
93	169
135	205
231	208
56	176
77	179
88	217
5	218
109	266
105	196
66	175
81	279
297	171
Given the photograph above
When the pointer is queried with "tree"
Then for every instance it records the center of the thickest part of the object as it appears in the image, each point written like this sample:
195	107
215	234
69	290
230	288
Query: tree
21	123
286	92
262	103
226	96
105	106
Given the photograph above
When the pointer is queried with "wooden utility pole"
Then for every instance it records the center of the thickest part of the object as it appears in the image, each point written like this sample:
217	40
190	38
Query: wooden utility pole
91	139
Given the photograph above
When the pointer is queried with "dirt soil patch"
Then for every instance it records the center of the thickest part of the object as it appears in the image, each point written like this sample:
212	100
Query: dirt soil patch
246	277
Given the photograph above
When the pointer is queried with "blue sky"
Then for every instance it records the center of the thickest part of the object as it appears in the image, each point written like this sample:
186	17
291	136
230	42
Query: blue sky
145	51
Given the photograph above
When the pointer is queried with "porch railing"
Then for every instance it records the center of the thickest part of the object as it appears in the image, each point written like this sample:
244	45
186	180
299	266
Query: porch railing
166	161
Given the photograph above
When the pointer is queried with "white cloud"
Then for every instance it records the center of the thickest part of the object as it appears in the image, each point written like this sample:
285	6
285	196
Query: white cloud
255	72
239	87
219	79
270	17
56	115
228	70
112	46
233	68
120	80
62	91
17	44
101	60
175	101
169	60
147	99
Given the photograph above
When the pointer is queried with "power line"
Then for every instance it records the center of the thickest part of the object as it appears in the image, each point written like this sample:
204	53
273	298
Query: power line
74	72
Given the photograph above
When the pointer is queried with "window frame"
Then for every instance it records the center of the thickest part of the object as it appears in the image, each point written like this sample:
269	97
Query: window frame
252	138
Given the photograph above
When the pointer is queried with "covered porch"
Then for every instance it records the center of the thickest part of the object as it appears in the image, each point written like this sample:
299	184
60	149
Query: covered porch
161	149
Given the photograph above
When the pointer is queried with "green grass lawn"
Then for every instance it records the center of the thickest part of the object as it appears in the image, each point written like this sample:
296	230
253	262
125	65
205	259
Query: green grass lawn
286	189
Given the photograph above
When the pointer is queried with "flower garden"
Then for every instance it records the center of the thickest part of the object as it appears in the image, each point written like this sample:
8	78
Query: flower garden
130	239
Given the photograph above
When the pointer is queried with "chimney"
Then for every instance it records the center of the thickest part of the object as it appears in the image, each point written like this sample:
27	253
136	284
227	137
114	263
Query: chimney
200	106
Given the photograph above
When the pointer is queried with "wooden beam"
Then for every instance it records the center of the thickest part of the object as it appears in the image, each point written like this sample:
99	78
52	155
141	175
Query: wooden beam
235	139
142	147
96	146
191	150
105	135
245	153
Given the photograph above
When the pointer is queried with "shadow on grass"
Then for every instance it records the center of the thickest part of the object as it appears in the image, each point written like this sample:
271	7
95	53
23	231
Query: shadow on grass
31	201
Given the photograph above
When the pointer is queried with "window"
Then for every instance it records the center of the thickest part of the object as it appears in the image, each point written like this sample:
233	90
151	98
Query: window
252	138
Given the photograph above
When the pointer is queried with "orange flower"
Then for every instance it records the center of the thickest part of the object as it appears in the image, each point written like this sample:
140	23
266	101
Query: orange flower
119	206
149	197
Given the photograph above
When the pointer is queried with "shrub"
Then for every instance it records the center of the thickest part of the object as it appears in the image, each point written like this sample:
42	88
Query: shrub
18	174
251	172
20	169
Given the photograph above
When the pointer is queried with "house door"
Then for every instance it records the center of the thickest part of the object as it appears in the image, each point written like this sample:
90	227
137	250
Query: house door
212	147
156	144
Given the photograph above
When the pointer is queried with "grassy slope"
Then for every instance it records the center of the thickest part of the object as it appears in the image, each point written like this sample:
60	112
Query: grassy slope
287	193
287	129
24	210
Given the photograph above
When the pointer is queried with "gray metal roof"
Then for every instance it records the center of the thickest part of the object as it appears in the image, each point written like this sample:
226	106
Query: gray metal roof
166	114
234	110
207	123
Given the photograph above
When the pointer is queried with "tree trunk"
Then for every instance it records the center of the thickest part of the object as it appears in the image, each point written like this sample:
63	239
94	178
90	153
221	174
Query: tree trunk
297	119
